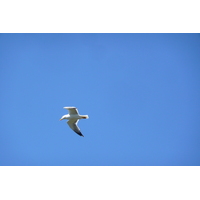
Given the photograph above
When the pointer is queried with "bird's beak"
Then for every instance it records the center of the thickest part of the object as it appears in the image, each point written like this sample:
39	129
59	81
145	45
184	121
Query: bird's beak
60	119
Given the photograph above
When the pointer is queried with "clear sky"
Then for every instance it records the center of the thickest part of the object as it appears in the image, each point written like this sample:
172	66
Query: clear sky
141	92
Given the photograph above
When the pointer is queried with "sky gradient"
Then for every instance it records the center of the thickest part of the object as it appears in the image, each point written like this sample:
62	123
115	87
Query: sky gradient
141	92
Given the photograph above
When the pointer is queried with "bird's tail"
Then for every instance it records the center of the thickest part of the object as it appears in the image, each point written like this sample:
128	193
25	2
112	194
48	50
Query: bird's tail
85	116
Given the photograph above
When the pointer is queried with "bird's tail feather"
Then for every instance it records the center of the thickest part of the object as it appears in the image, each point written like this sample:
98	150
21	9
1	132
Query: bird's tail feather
85	116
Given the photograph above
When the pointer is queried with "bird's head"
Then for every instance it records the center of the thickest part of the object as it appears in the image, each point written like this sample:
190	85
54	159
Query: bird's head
63	117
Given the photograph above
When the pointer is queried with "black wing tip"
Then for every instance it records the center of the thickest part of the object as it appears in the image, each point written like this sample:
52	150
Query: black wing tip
79	133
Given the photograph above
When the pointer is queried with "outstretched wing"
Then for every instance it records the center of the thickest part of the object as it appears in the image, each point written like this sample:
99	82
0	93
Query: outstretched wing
73	125
72	110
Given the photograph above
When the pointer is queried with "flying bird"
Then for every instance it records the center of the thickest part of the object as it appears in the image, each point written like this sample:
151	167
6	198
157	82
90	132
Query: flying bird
73	118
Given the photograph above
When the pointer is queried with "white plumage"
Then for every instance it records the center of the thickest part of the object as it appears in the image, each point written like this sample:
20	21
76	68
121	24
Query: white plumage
73	118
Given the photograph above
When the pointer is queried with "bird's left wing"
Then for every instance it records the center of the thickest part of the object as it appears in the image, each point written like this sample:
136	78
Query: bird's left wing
73	125
72	110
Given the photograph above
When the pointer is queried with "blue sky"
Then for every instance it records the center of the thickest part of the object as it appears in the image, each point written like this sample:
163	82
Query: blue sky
141	92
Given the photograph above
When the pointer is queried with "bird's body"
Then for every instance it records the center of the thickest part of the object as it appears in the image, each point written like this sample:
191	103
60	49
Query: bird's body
73	118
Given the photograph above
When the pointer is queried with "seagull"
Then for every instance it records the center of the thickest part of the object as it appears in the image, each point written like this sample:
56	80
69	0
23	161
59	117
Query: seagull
73	118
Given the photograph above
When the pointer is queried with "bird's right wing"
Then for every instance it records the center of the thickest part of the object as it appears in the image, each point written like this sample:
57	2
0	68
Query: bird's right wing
73	125
72	110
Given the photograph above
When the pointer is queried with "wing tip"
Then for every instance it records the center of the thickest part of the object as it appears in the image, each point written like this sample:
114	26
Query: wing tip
80	134
71	107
